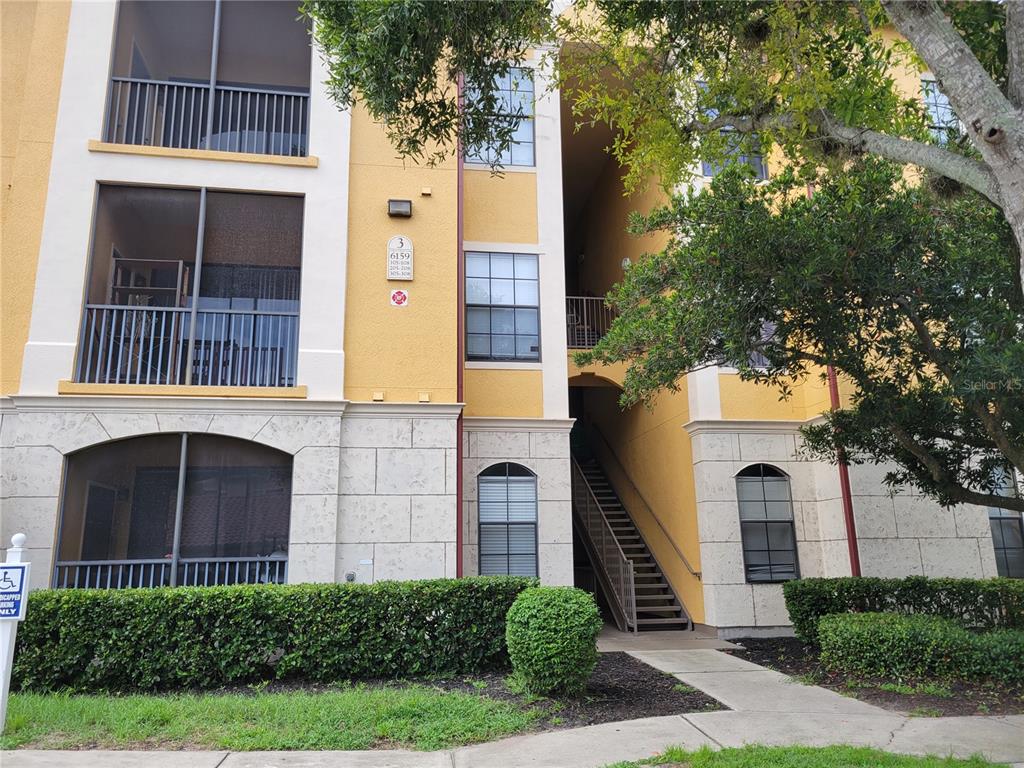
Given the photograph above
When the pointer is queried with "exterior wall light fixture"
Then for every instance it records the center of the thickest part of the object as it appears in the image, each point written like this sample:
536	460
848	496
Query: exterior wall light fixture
400	208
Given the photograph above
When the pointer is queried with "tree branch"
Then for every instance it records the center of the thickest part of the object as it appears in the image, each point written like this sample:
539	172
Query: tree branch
1015	52
949	486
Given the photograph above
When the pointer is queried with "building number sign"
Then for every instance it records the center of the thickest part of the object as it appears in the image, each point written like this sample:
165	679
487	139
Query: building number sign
399	258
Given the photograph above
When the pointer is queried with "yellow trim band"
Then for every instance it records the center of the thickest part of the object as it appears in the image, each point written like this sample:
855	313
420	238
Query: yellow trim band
202	154
66	387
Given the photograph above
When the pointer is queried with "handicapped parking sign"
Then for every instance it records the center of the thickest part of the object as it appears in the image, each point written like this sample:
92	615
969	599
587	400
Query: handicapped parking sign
13	591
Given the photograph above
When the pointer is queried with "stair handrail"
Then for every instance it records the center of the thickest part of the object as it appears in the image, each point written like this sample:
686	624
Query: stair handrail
622	470
623	582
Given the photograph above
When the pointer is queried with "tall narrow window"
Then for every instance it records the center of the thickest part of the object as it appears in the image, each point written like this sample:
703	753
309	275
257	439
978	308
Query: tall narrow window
1007	532
942	121
514	92
766	524
507	503
502	300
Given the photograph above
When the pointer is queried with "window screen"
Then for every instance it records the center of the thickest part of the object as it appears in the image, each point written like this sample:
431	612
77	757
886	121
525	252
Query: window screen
942	121
766	524
507	504
514	90
502	298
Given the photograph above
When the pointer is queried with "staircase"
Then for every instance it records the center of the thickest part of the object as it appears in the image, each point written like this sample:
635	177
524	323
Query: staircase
599	513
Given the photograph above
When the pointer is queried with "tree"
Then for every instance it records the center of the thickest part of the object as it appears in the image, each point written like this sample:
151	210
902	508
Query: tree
909	295
812	78
930	335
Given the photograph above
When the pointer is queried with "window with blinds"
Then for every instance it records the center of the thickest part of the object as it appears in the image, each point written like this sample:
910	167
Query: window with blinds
507	503
766	524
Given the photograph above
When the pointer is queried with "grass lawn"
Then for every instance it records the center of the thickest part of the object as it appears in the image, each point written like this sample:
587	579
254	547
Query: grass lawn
414	716
799	757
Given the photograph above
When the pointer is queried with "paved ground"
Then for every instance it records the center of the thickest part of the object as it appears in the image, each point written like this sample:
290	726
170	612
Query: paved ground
766	708
612	639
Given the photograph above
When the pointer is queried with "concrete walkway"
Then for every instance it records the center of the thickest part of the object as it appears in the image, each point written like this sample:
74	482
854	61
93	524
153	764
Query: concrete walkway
766	708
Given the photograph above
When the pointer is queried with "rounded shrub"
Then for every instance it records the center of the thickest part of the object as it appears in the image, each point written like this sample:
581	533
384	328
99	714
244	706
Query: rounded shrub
551	634
893	645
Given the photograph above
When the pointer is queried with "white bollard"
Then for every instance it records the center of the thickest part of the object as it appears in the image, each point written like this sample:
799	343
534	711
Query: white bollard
13	598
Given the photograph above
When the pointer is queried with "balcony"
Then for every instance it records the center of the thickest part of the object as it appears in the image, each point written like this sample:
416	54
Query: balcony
192	288
191	572
587	319
225	76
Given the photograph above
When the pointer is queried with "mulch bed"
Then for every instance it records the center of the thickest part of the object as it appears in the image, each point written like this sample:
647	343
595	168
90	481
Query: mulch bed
798	659
621	688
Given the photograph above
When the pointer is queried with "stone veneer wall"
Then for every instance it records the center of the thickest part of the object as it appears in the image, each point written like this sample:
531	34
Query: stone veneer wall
377	485
541	445
899	535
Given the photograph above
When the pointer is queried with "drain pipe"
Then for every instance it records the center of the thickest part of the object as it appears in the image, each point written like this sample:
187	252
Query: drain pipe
844	482
461	341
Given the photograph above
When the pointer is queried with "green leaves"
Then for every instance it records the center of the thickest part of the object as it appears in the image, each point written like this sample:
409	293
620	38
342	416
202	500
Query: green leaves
403	60
207	637
552	639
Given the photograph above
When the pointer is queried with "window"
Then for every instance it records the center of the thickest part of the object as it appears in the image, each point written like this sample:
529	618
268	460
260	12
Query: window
735	155
1007	532
502	299
124	525
514	91
507	503
942	121
766	524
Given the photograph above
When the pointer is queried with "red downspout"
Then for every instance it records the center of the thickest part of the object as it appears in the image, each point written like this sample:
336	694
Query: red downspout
460	344
844	469
844	483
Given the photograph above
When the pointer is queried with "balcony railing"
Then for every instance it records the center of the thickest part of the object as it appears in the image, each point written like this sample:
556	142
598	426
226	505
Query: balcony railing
157	345
192	572
171	114
587	319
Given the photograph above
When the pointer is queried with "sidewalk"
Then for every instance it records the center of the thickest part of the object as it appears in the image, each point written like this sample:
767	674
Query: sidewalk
766	708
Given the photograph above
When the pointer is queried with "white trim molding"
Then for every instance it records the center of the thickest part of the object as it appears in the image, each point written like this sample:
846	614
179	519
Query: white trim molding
704	426
496	423
392	410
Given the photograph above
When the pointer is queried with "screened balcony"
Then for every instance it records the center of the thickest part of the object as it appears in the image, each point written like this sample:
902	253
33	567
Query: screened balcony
229	75
174	510
192	287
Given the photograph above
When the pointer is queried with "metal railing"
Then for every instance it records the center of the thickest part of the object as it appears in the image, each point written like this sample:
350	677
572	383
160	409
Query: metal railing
162	113
192	572
160	345
607	457
617	568
587	319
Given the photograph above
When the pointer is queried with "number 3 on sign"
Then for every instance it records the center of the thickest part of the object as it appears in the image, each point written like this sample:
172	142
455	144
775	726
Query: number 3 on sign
399	298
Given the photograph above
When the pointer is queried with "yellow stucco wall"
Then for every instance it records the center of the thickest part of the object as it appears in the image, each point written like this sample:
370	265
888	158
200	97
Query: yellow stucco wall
32	41
500	392
401	351
500	209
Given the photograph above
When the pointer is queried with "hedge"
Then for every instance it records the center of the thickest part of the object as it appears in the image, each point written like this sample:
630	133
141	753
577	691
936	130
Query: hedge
974	603
899	646
552	639
207	637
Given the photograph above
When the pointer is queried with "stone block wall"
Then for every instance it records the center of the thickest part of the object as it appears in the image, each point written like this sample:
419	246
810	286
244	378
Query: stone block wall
542	446
899	535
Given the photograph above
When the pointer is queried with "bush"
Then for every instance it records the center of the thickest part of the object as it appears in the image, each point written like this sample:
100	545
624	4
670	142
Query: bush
552	639
207	637
897	646
974	603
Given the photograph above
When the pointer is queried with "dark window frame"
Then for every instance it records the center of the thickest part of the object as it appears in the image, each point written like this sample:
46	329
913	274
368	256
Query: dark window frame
503	470
760	472
1004	524
483	155
515	308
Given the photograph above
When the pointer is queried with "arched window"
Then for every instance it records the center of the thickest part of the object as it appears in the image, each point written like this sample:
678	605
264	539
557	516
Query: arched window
766	524
507	502
174	509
